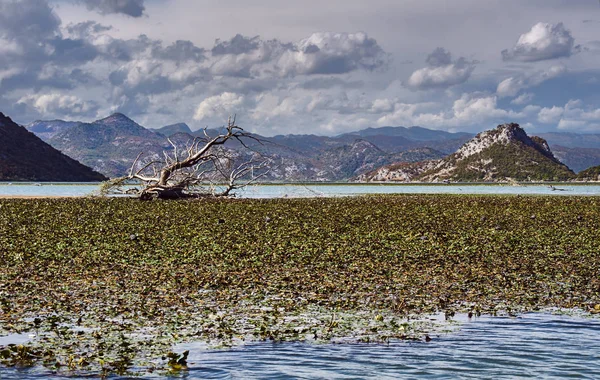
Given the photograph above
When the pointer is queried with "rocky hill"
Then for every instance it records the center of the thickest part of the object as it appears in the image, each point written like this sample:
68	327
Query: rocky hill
590	174
25	157
502	154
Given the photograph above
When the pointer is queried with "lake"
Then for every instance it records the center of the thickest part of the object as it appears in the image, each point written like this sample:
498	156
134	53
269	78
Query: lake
321	190
534	345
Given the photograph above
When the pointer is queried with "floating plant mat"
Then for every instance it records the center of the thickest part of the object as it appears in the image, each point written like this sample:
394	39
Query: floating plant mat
108	286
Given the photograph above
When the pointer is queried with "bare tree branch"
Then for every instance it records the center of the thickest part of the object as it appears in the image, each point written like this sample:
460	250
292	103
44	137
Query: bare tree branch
205	162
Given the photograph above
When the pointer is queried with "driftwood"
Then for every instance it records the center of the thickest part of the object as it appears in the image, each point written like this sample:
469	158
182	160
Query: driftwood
202	169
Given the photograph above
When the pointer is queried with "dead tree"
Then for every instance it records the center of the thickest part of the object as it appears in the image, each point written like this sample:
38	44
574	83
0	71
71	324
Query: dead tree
203	169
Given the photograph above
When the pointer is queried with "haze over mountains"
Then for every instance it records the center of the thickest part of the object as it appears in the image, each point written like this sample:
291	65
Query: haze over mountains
110	145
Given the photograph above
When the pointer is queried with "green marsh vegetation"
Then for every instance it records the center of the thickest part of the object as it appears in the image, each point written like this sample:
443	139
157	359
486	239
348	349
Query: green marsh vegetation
109	285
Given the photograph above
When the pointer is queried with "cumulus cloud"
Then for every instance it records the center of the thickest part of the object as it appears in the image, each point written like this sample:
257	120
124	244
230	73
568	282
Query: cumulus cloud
573	115
544	41
27	20
511	86
86	29
320	53
550	115
34	45
58	104
439	57
442	72
246	57
133	8
333	53
237	45
523	99
467	111
222	105
179	51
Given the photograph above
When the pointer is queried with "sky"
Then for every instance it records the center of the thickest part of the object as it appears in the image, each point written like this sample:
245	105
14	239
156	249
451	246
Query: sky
305	67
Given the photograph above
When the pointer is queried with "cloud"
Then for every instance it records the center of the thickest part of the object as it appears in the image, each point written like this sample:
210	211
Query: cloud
246	57
573	115
86	29
179	51
442	72
523	99
469	110
511	86
333	53
320	53
57	104
27	20
439	57
34	46
237	45
133	8
544	41
221	105
550	115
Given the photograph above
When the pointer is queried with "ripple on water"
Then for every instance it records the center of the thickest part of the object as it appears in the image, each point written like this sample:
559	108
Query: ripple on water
531	346
534	345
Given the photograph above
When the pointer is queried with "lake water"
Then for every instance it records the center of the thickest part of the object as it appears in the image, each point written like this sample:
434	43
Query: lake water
320	190
533	345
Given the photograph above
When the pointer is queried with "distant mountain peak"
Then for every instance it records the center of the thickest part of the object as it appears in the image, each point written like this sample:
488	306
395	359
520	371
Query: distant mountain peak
116	117
503	134
363	145
173	129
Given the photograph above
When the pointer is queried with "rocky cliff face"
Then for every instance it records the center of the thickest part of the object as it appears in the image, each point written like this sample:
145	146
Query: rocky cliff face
398	172
25	157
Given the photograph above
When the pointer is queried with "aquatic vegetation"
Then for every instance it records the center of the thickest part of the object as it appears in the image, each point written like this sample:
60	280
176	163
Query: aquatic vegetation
109	285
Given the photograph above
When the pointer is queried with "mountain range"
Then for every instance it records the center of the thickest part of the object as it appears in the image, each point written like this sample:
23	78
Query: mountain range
25	157
110	145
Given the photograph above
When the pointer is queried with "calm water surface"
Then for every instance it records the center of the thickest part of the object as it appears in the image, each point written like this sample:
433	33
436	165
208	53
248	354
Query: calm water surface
318	190
531	346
